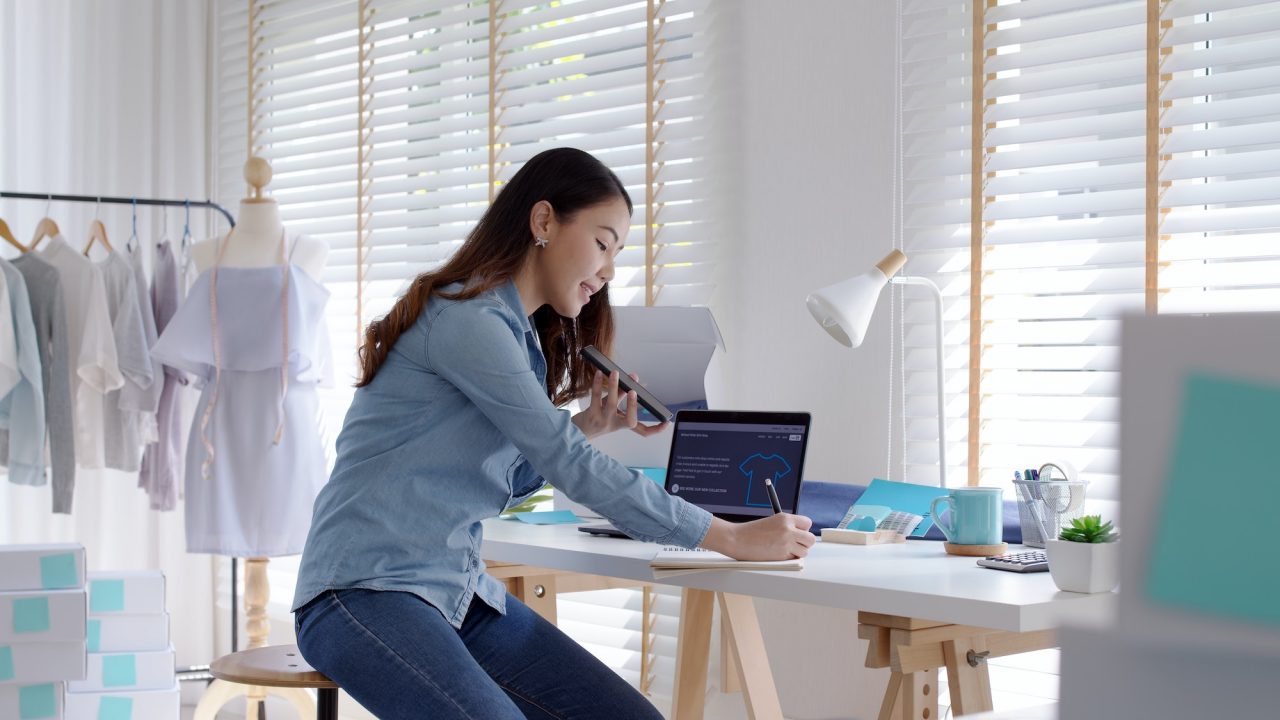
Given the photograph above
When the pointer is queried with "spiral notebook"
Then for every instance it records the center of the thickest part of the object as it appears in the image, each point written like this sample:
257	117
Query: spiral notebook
676	561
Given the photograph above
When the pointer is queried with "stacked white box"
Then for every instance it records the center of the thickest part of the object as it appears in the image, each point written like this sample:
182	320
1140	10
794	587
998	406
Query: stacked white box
42	628
131	661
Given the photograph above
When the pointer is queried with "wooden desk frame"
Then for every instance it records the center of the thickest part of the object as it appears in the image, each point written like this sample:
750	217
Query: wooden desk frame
913	649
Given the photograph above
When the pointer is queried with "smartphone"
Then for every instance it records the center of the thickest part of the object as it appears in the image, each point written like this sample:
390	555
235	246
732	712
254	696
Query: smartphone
646	398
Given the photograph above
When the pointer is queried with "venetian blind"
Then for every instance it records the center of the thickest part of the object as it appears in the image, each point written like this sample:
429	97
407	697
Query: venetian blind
935	90
389	123
1063	214
1219	156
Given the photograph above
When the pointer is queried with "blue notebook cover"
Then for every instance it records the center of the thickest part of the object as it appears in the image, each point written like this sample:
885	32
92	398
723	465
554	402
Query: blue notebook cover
904	497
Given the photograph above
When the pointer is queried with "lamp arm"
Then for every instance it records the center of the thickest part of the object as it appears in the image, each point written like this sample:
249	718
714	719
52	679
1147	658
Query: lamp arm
942	416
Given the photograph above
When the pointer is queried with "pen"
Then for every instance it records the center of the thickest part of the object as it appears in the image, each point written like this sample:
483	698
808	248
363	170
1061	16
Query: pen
773	496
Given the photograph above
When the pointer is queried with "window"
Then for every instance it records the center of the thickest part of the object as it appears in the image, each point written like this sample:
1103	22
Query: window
390	125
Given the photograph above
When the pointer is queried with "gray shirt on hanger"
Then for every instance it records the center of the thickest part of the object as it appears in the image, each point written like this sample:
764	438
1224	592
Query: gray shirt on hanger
44	286
122	438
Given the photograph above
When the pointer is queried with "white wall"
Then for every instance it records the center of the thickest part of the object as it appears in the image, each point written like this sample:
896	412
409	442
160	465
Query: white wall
804	113
808	195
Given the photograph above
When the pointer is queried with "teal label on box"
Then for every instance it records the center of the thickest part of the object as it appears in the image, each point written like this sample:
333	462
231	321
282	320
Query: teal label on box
115	708
6	663
119	670
31	615
106	596
94	636
36	702
58	572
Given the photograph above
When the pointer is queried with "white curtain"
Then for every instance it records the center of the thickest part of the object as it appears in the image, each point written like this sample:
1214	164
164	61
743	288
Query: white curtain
109	98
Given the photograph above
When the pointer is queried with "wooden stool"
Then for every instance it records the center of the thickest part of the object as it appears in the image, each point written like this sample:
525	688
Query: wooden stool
278	666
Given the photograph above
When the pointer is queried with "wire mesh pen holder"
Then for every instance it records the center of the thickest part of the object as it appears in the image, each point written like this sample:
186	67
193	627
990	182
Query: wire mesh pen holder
1046	506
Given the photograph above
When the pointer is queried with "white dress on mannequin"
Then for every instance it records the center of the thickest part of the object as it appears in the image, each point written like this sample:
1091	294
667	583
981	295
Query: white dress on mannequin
255	338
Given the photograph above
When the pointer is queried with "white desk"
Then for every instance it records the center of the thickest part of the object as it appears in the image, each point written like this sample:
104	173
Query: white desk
920	608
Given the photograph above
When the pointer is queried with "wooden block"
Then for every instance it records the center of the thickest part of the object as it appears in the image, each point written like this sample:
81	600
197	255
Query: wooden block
539	593
862	537
897	622
970	685
877	645
942	633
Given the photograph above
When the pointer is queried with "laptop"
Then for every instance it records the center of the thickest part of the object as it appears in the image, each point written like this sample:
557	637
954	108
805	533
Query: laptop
720	458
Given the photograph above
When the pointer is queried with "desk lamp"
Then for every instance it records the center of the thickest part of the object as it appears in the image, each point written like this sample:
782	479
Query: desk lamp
844	311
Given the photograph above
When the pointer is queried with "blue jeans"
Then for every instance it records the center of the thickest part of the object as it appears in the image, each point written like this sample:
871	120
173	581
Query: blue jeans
399	658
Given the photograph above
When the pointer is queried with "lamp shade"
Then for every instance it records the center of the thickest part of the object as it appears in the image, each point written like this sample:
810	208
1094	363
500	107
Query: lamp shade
844	309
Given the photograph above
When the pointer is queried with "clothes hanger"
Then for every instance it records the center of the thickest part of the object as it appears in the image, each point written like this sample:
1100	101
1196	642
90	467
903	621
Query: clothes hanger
128	244
8	236
46	228
97	231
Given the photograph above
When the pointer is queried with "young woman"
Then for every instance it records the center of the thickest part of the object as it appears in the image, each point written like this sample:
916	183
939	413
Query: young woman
454	421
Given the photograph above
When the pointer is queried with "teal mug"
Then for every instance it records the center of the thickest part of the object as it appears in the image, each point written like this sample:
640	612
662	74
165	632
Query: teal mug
976	516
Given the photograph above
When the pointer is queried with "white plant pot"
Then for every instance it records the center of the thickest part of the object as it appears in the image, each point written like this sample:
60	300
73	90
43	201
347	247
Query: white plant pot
1084	567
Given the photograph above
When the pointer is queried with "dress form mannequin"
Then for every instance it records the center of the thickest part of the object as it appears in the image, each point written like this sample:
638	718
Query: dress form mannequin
255	242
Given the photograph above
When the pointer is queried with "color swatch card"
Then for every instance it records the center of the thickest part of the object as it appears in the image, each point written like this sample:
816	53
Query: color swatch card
1221	473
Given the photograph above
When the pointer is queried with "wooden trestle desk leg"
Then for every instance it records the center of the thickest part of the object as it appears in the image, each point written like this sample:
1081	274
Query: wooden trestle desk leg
914	650
256	594
738	616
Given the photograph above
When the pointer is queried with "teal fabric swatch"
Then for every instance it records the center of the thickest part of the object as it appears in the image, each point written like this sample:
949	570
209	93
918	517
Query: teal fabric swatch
94	639
119	670
115	708
6	663
1221	468
36	702
58	572
550	517
106	596
31	615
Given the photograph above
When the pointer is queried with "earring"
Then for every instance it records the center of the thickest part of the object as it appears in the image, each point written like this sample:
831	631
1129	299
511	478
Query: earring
540	242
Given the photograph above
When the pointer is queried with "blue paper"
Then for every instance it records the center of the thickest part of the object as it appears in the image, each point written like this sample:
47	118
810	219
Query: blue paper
119	671
36	702
31	615
904	497
115	708
58	572
1222	467
106	596
551	517
6	663
94	635
657	474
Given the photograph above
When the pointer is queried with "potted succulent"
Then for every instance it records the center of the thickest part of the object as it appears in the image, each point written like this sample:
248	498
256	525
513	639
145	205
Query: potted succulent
1086	557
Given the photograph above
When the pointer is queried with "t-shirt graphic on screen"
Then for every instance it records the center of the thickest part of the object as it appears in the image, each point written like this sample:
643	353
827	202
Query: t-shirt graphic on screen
721	466
758	467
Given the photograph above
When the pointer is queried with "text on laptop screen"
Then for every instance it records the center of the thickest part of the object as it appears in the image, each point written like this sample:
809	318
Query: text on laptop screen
721	467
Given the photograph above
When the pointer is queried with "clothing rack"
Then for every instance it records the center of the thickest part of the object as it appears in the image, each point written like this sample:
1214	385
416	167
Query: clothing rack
50	197
195	672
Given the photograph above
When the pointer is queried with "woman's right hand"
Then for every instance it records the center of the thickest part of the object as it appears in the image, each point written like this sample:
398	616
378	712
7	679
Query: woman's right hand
777	537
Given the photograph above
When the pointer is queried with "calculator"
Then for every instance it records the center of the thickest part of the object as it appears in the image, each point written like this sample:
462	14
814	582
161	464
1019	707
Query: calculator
1020	562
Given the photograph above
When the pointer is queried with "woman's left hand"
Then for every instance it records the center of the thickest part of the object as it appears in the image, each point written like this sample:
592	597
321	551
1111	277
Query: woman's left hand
604	414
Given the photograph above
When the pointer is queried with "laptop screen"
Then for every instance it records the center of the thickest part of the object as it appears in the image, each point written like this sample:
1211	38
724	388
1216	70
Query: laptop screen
719	460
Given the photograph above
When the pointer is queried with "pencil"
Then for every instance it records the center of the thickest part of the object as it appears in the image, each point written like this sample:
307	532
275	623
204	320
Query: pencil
773	496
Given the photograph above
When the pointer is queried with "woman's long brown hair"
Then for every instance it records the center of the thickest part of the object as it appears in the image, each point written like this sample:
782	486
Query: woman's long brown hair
568	179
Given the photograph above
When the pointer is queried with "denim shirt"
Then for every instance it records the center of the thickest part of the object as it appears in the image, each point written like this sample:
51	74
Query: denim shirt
456	427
